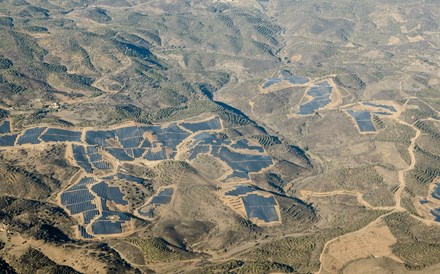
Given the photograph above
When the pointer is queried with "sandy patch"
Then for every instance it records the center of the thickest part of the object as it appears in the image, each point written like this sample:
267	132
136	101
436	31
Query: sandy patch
375	241
403	29
414	39
393	41
389	154
296	58
434	81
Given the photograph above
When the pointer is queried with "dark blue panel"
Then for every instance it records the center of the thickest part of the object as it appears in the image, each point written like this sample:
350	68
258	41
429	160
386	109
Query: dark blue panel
258	200
436	213
163	197
5	127
31	136
75	197
321	97
271	81
312	106
137	152
102	165
366	126
111	193
83	232
129	152
171	136
129	132
95	157
360	115
59	138
78	149
212	124
99	138
92	150
363	119
436	193
89	215
152	129
86	166
119	154
260	207
106	227
238	174
146	143
82	184
198	150
296	80
80	207
104	204
64	132
79	153
267	214
390	108
240	161
8	140
131	142
155	156
383	113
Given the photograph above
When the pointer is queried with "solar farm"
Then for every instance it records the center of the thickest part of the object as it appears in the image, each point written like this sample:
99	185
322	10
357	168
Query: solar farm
98	199
252	203
241	157
285	76
157	203
363	120
101	206
223	136
323	94
318	97
367	115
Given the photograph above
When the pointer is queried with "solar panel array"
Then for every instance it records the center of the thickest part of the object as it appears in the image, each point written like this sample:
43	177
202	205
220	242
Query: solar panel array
78	199
363	120
89	158
241	163
162	198
212	124
286	76
8	140
61	135
105	191
321	97
89	198
31	136
81	159
5	127
260	207
387	107
154	143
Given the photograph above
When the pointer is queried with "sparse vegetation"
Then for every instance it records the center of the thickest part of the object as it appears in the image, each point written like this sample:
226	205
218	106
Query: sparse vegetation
417	243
